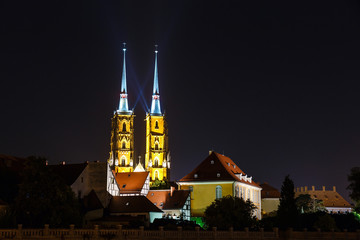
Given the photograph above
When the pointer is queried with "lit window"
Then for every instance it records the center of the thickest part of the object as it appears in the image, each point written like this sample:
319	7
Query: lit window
218	192
127	204
218	174
195	175
212	161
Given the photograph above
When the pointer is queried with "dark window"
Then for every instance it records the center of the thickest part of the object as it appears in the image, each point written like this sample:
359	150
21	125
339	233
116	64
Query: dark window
123	145
156	146
124	185
156	125
124	127
123	162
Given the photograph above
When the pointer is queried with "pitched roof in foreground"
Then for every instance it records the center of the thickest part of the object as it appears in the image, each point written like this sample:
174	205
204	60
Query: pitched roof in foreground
166	200
130	182
213	165
131	204
15	164
68	172
269	191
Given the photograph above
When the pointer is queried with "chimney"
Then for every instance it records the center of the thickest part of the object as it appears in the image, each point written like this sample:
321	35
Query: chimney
172	189
305	188
334	188
323	188
313	188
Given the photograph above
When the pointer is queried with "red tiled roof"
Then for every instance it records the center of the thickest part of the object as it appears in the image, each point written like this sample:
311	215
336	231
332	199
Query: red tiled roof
131	182
329	198
213	165
131	204
164	200
269	191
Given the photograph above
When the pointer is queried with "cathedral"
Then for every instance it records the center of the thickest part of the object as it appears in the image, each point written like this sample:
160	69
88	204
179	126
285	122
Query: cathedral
121	157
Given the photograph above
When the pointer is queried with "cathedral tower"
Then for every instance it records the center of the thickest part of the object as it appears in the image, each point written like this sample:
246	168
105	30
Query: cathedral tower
157	161
122	132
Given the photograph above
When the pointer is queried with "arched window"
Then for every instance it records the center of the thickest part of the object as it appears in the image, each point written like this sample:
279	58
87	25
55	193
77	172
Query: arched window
123	161
123	145
218	192
237	191
156	125
124	127
156	146
248	194
156	162
156	175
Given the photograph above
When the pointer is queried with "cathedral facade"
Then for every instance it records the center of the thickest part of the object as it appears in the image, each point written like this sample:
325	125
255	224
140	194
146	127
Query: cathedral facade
121	156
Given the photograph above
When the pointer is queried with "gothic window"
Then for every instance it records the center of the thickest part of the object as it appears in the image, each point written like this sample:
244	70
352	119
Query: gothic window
124	127
237	191
156	125
156	175
123	161
218	192
156	162
123	145
156	146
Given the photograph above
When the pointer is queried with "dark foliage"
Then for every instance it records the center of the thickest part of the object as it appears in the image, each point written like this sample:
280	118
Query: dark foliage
9	182
306	204
354	186
44	198
287	212
172	224
157	184
230	212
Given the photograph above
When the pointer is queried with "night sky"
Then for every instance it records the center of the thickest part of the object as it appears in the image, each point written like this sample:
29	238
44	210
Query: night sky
274	86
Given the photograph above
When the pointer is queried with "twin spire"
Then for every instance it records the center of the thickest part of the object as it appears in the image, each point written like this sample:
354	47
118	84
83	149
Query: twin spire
155	102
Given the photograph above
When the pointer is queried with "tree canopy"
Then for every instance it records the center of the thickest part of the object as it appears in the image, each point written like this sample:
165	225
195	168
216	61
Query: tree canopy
287	211
229	212
44	198
306	204
354	186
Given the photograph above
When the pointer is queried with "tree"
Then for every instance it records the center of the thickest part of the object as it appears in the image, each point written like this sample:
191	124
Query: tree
44	198
229	212
306	204
287	211
354	186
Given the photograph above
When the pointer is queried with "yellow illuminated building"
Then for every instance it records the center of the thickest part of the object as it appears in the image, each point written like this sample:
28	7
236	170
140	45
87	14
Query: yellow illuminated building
157	161
215	177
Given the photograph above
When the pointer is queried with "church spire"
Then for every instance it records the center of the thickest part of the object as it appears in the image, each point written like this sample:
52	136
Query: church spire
123	105
155	102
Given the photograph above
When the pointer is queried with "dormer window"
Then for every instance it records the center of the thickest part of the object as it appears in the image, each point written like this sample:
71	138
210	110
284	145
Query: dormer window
195	175
228	164
124	185
218	174
127	204
234	166
212	161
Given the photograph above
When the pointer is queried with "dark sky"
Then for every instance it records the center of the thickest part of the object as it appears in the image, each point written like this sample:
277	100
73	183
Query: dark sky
273	85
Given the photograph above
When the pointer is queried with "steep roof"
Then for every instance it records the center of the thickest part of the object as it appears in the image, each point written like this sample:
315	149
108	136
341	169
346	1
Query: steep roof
269	191
213	165
15	164
329	198
131	182
131	204
163	199
68	172
92	201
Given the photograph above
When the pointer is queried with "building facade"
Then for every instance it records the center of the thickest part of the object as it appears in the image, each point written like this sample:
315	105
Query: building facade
219	176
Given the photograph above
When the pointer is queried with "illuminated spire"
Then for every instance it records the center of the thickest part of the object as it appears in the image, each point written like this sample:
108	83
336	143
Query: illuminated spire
123	105
155	102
